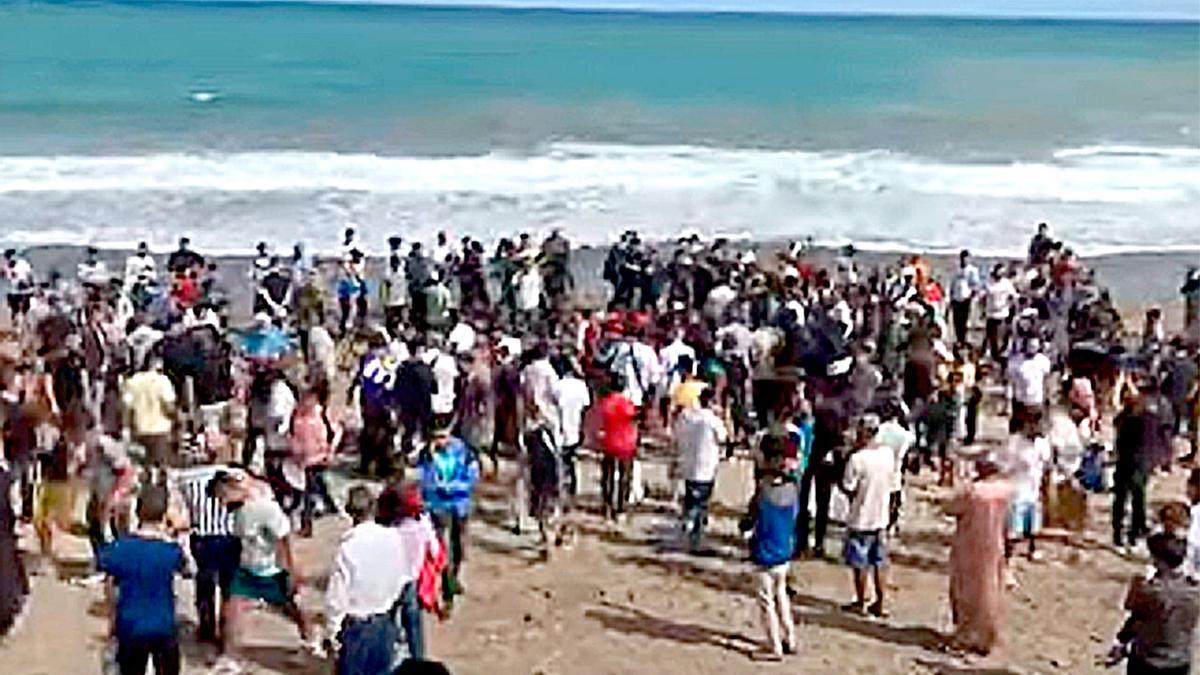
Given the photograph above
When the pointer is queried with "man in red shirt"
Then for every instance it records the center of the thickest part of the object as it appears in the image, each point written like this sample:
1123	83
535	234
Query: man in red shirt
618	440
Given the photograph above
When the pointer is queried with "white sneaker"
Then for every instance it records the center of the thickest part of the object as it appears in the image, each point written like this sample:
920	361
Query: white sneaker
227	665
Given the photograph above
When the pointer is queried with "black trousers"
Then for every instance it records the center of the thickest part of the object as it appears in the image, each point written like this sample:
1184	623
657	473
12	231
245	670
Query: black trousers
216	561
960	311
375	443
995	339
315	489
615	491
821	478
133	654
1129	486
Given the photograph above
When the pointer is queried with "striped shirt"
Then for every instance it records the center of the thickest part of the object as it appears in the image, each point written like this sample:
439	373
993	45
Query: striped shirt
208	515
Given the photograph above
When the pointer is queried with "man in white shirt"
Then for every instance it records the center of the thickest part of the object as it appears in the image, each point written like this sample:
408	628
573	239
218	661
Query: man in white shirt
92	271
1001	294
370	570
1027	372
445	374
896	436
964	285
669	356
139	267
19	274
539	381
870	473
462	337
700	435
573	398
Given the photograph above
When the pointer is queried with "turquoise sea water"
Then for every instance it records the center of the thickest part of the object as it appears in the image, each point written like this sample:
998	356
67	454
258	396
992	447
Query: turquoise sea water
297	118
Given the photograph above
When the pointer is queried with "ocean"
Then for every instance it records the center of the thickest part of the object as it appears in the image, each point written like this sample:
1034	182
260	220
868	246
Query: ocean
238	122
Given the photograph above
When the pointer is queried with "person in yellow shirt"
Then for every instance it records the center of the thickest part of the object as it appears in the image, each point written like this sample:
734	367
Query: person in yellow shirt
149	399
686	393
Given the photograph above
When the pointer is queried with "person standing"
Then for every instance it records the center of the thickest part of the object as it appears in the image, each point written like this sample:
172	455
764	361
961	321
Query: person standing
618	439
544	460
149	397
772	522
448	472
868	478
371	568
1027	373
1028	456
574	398
977	561
141	569
965	284
700	436
215	550
314	440
14	585
1001	296
1132	469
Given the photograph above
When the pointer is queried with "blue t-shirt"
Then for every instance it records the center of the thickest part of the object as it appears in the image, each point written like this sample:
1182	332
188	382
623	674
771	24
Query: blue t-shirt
143	570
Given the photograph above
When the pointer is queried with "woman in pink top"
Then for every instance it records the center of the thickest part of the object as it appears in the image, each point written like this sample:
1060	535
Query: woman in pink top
314	439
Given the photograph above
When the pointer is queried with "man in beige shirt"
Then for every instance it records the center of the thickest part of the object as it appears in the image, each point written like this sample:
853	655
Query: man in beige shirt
149	399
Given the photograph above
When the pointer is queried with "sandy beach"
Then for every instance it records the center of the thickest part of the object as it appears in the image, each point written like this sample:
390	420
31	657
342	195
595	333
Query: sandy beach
624	599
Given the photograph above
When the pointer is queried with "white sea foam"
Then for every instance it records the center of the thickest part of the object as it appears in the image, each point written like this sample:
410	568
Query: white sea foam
203	96
1107	198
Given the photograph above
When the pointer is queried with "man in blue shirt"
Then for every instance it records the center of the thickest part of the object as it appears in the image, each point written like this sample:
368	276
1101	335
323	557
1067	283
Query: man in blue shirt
141	568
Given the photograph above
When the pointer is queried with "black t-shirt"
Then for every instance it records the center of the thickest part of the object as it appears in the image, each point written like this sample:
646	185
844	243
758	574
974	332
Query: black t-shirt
20	437
276	285
183	260
67	376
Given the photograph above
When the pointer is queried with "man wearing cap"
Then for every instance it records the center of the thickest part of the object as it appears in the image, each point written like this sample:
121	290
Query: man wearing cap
867	481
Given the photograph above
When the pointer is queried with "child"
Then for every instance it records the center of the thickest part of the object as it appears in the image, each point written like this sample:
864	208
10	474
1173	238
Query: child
772	521
1028	455
941	418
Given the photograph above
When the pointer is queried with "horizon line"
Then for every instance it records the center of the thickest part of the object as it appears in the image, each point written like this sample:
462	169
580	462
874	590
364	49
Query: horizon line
621	8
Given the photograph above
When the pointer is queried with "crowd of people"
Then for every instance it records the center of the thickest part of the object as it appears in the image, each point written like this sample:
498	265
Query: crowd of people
205	431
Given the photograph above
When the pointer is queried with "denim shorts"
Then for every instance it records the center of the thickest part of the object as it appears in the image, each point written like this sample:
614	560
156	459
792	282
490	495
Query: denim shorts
1024	517
864	549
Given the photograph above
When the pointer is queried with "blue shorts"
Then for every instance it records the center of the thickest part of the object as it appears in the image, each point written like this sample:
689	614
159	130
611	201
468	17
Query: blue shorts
1024	518
865	549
